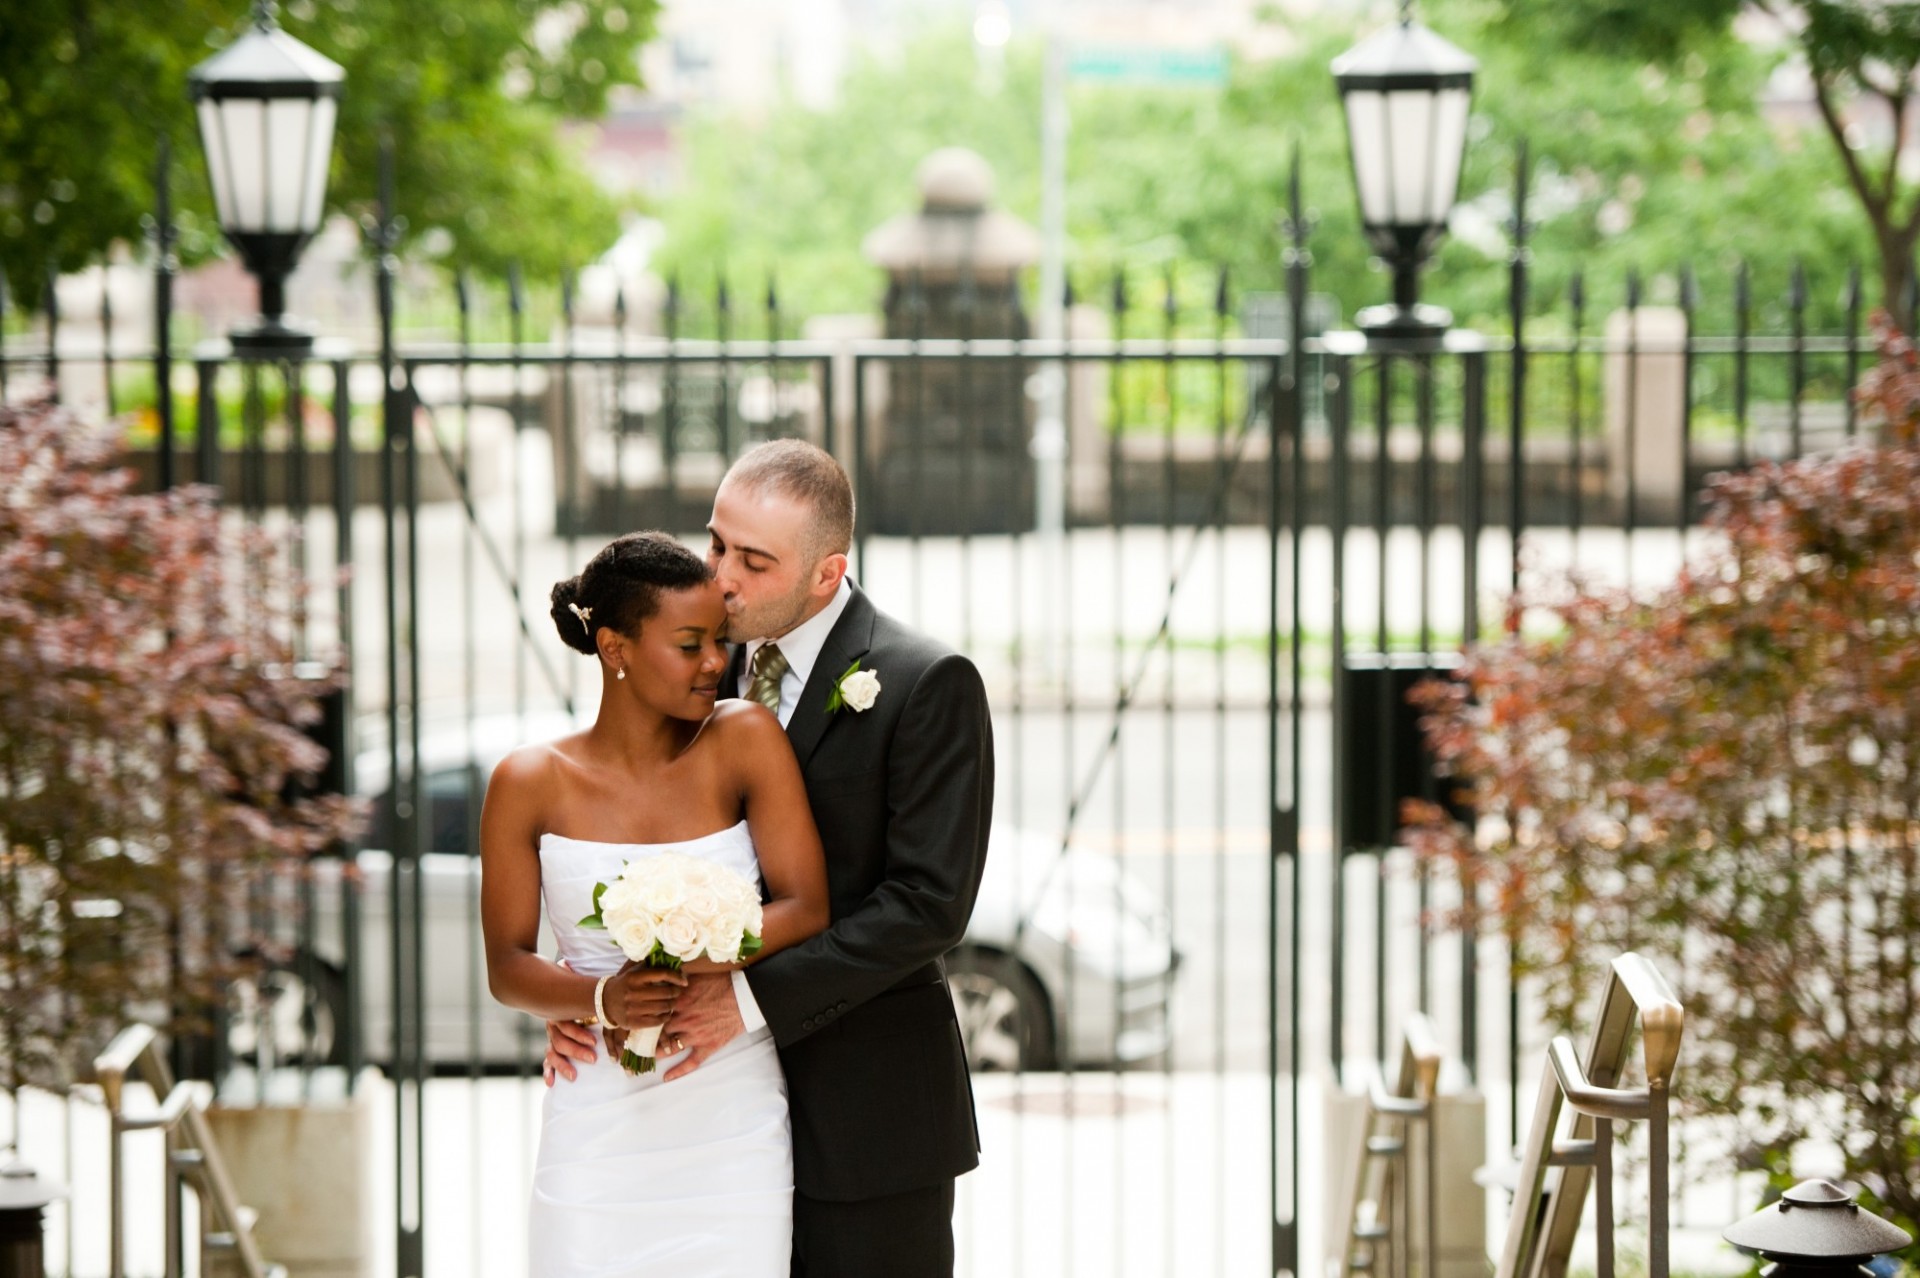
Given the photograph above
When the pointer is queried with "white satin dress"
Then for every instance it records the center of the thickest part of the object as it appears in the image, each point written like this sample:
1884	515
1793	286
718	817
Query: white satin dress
644	1178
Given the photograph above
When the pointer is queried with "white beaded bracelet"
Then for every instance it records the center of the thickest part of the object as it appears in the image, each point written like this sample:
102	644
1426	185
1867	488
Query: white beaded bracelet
599	1000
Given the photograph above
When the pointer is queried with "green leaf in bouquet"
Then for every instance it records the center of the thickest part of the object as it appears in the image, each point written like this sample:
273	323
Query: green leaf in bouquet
750	945
594	919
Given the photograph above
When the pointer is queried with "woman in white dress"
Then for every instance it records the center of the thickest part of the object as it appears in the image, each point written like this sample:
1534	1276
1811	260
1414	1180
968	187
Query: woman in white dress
635	1177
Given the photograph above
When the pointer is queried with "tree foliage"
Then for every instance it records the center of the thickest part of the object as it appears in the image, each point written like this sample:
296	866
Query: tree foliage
153	728
1726	776
471	93
1857	53
1636	165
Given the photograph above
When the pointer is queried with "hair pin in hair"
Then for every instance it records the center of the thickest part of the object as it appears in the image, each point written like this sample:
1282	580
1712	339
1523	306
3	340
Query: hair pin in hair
584	614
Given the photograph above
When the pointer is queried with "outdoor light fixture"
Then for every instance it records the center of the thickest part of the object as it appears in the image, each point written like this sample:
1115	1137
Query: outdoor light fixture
1406	92
267	104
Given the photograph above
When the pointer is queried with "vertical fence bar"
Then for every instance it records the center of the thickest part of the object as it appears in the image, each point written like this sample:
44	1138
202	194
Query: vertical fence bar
1424	517
1577	477
206	426
1850	302
1473	412
1221	688
1339	426
1683	505
1283	821
1630	520
1169	372
106	339
164	267
1517	367
670	392
6	299
1742	344
1383	712
353	1046
1796	358
619	400
400	497
51	305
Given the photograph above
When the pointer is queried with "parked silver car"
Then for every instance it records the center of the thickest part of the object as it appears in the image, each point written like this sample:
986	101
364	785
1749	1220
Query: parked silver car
1066	956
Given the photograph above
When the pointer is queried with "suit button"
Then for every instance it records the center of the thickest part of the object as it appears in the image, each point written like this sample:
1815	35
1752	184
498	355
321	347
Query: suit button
840	1007
807	1024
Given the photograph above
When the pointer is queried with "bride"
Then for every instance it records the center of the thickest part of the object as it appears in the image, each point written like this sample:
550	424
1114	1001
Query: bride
633	1177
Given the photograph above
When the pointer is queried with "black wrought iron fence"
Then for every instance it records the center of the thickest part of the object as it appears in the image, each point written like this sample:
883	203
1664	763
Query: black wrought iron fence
1198	617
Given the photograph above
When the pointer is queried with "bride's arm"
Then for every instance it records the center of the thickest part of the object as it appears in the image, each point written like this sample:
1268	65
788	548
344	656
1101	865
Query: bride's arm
784	836
517	975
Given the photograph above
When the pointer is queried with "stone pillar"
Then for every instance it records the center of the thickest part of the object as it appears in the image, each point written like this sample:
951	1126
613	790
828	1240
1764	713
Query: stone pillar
305	1169
1645	394
951	452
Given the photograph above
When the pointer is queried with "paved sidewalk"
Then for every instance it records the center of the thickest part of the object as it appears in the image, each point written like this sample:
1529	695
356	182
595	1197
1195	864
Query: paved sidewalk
1143	1175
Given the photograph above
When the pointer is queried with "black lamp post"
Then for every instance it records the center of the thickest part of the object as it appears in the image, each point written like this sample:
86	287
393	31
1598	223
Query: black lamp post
267	105
1406	92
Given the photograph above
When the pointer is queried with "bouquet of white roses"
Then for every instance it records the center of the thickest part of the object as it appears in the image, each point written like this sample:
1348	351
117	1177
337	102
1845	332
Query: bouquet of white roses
669	909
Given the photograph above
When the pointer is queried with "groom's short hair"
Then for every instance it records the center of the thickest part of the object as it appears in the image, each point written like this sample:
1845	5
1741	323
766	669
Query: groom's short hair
807	474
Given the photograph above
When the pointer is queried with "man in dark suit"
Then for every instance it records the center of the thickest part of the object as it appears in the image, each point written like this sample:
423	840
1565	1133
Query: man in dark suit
893	737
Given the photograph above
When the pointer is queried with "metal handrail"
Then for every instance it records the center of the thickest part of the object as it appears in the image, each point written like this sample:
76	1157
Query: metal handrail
192	1154
1554	1175
1383	1178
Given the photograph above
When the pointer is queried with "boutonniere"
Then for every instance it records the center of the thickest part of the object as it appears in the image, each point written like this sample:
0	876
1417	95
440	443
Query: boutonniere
854	690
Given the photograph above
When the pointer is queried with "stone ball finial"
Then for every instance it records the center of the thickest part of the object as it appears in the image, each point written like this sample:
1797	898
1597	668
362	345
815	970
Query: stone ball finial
955	179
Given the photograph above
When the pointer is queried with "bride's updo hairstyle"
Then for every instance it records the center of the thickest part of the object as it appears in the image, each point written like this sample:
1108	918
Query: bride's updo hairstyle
621	586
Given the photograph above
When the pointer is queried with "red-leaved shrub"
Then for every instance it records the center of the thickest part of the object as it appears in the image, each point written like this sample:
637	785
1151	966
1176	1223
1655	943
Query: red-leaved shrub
1725	774
150	726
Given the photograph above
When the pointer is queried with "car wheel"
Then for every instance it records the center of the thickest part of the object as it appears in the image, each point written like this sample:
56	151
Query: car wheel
296	1010
1005	1020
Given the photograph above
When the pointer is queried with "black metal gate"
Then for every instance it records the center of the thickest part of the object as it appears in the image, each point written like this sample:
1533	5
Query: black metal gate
1198	603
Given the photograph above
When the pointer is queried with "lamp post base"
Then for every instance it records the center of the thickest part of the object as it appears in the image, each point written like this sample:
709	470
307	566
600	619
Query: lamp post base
271	339
1392	320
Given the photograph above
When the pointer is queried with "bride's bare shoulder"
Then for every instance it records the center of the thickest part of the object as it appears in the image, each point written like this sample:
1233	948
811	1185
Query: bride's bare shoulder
739	724
537	764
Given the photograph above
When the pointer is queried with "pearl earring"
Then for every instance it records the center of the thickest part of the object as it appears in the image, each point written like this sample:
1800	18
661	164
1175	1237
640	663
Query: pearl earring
622	674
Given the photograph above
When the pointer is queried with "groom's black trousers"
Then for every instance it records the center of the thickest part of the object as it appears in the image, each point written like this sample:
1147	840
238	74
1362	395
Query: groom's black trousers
906	1235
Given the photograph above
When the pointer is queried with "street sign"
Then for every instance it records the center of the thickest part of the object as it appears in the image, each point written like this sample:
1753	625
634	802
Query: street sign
1120	64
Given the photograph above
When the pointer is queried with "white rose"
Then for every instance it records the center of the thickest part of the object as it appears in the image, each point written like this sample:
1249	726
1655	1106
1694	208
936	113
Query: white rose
860	689
723	944
703	904
661	885
629	926
696	873
682	936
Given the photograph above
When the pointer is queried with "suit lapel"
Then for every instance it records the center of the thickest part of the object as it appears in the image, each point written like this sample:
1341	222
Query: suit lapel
846	642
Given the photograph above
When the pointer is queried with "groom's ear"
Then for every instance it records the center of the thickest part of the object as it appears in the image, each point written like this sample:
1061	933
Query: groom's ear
828	573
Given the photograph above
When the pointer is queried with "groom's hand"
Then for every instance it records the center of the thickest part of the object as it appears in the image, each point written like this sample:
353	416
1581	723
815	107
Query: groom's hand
705	1018
567	1041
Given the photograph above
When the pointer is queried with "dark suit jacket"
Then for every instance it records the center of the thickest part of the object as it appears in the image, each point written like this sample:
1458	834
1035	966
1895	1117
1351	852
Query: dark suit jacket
902	791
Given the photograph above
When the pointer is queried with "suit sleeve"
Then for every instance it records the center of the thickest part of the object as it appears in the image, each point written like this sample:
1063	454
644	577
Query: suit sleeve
940	799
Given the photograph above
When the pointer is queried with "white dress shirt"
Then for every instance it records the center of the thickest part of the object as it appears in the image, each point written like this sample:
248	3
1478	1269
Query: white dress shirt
801	647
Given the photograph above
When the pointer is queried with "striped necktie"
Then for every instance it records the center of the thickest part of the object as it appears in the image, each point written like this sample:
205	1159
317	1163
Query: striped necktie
769	666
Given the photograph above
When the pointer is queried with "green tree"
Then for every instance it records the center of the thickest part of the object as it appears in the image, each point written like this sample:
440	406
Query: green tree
1637	165
472	94
1857	53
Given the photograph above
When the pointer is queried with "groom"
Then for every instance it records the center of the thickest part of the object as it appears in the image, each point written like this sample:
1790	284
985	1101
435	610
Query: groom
901	784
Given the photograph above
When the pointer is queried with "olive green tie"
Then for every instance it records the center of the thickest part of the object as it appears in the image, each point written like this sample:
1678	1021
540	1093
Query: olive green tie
769	666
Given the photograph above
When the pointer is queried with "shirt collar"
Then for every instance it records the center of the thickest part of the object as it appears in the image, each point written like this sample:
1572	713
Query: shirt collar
801	645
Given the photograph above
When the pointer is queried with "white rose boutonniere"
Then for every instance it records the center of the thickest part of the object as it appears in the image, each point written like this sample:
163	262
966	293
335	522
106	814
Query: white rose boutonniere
855	690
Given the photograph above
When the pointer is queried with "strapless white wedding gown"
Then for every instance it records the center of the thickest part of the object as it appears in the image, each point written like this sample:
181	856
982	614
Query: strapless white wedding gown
691	1178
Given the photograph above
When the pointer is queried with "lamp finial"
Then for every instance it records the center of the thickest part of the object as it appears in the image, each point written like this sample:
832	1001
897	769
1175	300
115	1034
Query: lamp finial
263	15
1406	12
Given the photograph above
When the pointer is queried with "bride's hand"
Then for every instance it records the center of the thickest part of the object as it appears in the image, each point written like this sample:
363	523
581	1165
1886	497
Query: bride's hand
640	996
